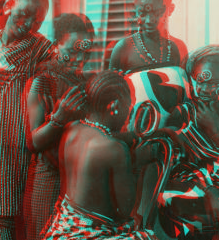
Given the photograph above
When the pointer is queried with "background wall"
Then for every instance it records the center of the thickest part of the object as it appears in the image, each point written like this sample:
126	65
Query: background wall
195	22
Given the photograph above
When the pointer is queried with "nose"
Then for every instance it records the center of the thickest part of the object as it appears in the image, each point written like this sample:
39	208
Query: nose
80	57
150	18
25	23
203	89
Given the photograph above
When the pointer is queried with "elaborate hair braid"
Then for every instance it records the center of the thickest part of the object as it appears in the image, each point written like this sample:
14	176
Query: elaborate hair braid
201	55
105	88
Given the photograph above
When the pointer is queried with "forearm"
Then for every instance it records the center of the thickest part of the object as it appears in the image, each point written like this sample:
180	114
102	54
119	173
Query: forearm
44	136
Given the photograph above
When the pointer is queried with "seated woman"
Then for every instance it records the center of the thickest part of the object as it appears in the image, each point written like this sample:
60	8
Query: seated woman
58	82
191	196
149	48
97	185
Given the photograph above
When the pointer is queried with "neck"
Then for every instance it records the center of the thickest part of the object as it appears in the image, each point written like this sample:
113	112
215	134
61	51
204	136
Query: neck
152	35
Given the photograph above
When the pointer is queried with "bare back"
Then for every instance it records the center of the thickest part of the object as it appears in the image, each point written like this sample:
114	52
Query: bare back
96	171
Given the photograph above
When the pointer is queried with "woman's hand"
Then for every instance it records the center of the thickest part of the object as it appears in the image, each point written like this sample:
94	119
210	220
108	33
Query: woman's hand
69	105
208	118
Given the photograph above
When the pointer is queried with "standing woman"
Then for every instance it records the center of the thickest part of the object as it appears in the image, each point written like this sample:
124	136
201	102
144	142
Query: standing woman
21	50
60	81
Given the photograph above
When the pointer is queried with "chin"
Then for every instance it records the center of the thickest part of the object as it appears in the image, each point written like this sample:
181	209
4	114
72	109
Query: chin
150	30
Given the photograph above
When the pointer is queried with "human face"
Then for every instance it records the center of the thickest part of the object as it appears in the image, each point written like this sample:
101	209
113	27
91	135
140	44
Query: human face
72	50
149	13
26	16
205	79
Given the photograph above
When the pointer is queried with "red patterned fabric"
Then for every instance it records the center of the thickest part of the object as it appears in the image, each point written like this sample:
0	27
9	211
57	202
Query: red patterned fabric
78	223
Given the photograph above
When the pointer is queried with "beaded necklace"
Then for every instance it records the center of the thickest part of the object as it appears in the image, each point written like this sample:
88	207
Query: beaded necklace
154	60
105	130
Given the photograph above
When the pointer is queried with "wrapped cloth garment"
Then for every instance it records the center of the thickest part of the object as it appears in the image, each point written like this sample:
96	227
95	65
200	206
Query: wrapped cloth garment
74	222
18	62
186	200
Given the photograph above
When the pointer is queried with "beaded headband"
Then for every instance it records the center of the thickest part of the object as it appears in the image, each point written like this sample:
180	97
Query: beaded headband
83	45
149	7
204	76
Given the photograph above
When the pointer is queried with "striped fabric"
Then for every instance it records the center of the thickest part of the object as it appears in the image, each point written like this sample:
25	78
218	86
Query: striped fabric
17	64
78	223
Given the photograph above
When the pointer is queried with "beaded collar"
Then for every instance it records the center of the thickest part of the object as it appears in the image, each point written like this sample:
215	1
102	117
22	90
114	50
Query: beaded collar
105	130
154	60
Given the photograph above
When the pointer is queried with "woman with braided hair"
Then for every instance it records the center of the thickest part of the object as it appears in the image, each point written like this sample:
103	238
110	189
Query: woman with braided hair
97	186
59	83
190	199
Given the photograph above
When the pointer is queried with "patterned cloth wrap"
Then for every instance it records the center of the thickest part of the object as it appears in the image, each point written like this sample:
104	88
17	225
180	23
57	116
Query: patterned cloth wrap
78	223
185	196
150	85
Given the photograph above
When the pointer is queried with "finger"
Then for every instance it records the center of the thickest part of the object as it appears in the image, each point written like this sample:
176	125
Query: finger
74	105
48	103
69	92
74	95
74	98
212	106
201	105
80	107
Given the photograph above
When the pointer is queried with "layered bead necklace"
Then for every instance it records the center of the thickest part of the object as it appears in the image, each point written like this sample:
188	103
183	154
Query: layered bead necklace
154	60
105	130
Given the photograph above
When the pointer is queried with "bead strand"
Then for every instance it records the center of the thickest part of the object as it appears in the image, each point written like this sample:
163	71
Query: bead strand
97	125
161	49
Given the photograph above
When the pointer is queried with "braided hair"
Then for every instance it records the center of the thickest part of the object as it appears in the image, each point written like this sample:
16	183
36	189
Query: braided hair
106	87
201	55
69	23
165	2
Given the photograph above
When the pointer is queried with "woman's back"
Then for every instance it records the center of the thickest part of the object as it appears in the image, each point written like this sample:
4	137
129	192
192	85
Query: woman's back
87	160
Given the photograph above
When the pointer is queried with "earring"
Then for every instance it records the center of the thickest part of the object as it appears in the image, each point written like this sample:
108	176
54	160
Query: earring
115	112
60	58
139	21
66	57
114	108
